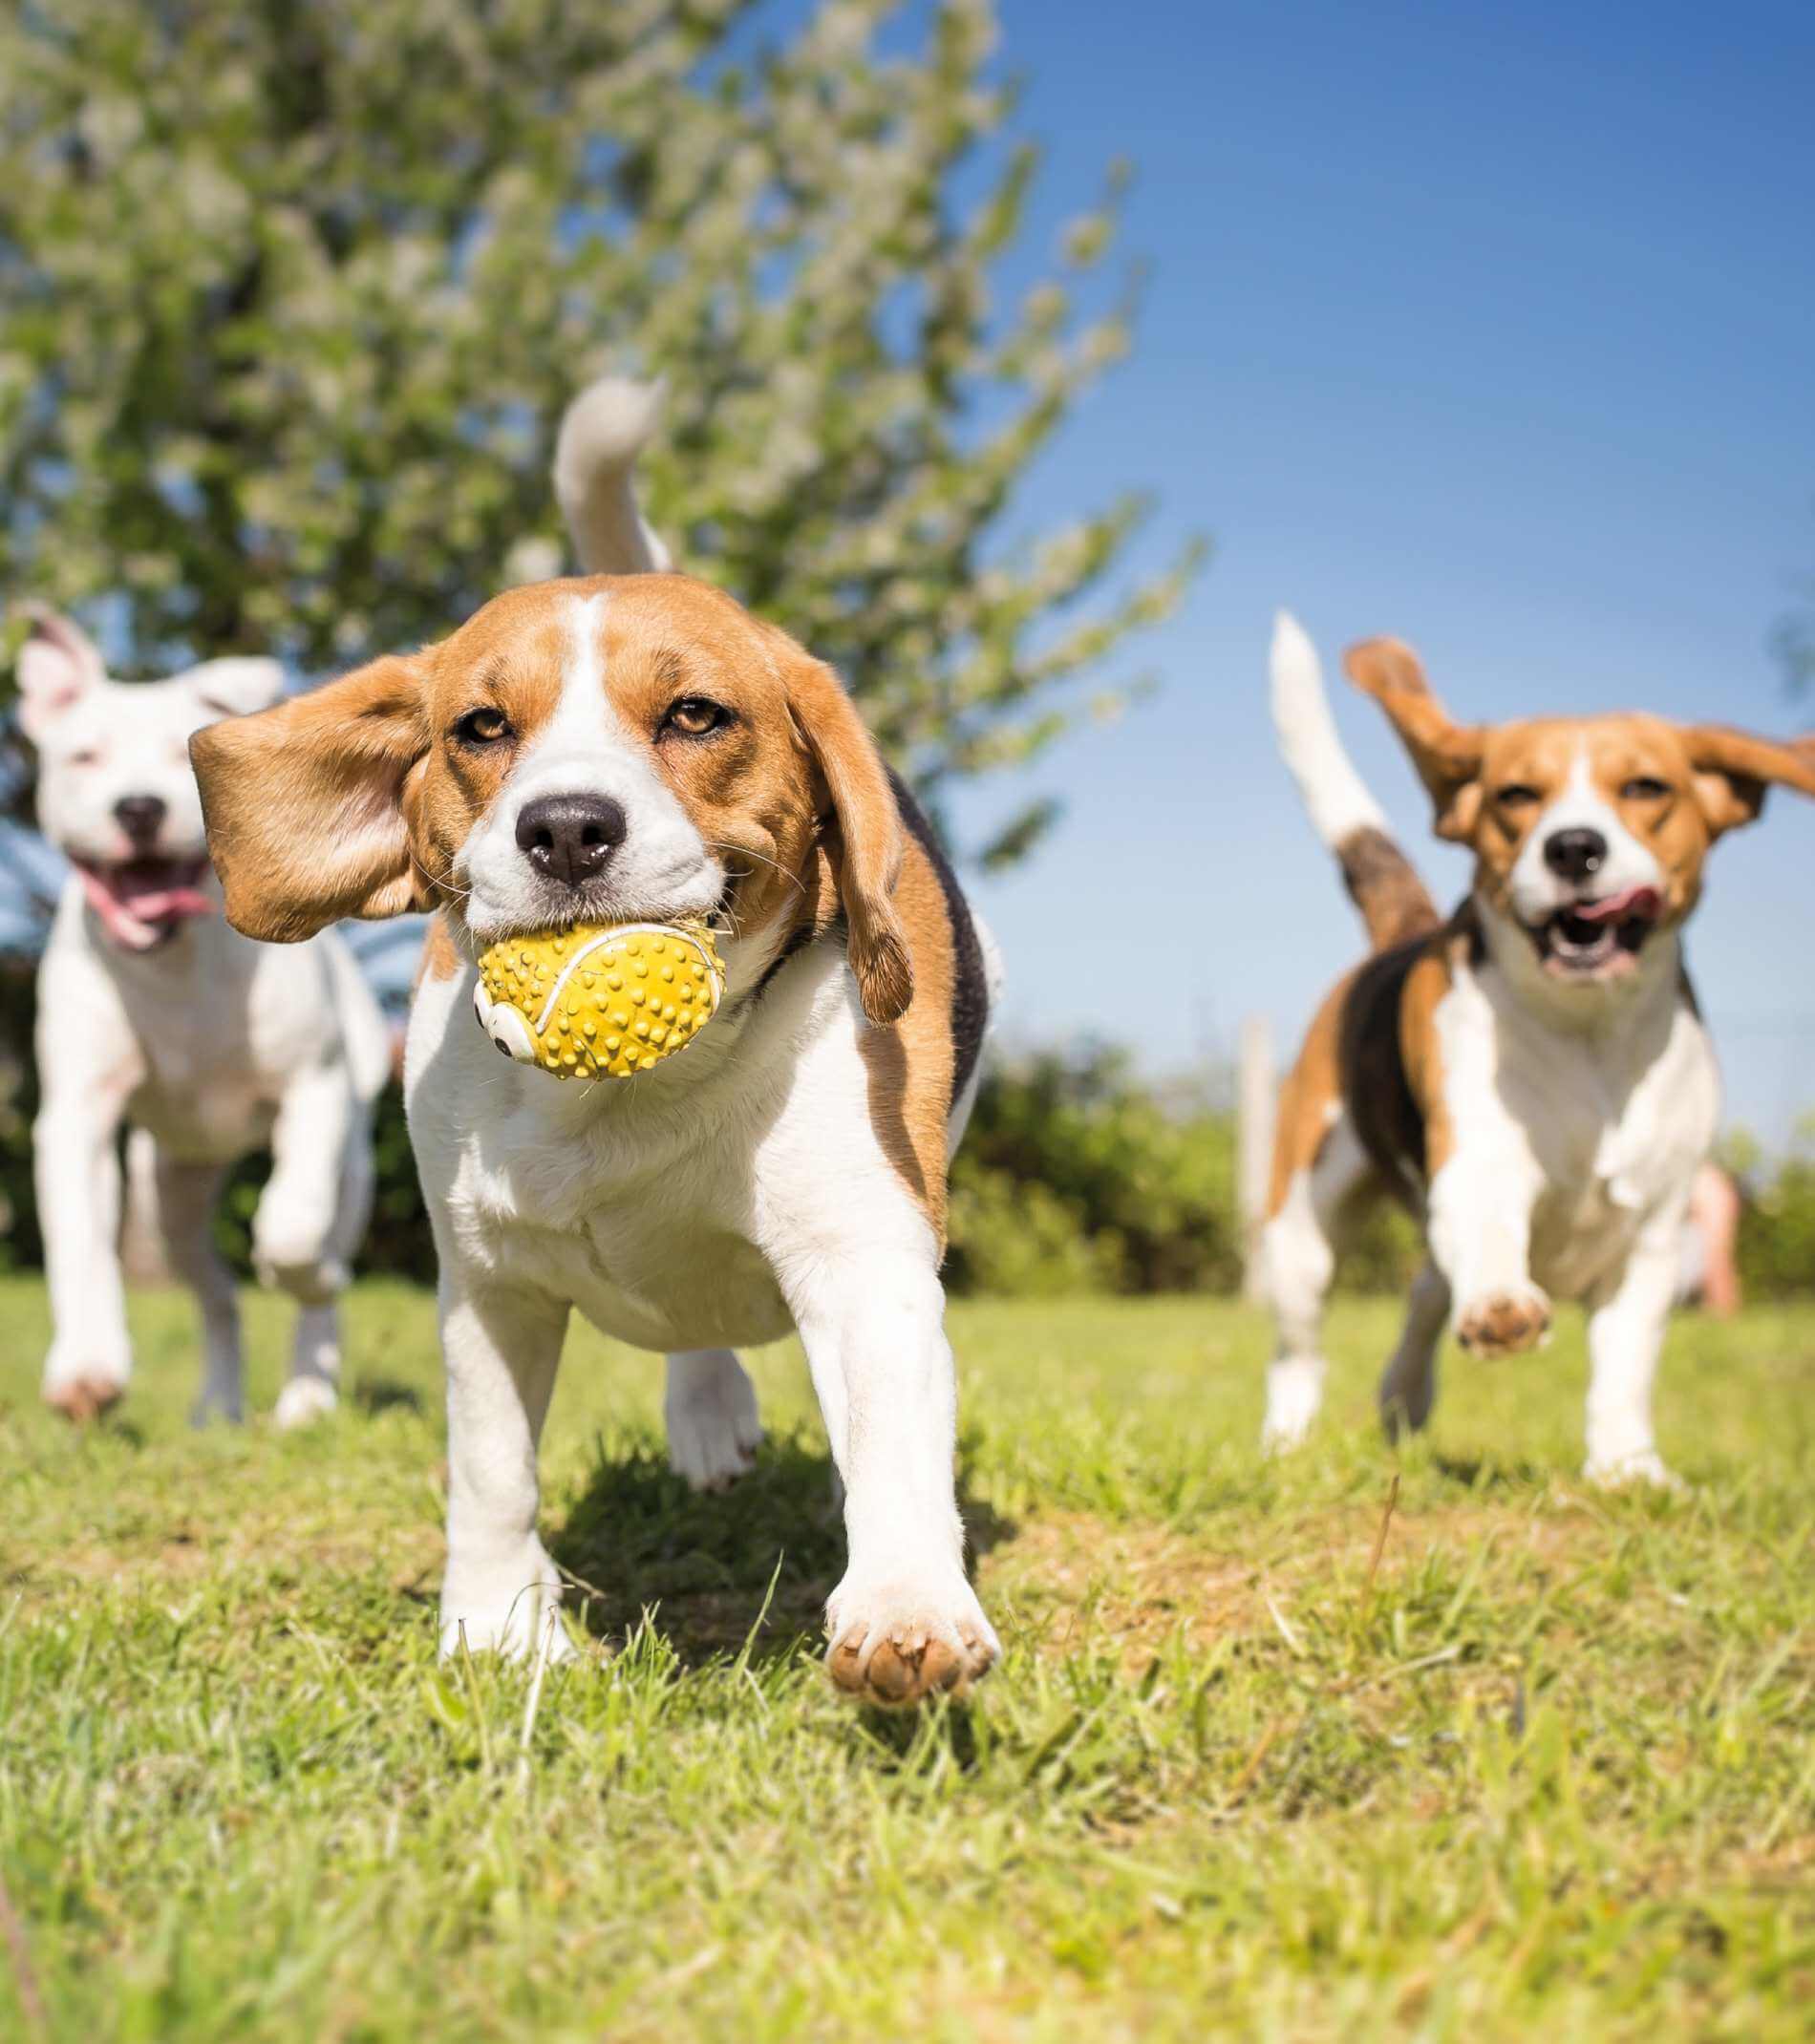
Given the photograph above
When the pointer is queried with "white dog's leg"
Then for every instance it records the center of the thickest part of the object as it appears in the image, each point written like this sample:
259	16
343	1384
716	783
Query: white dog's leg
313	1389
77	1177
1408	1385
186	1196
904	1622
296	1240
1626	1331
1298	1260
502	1592
1479	1232
711	1409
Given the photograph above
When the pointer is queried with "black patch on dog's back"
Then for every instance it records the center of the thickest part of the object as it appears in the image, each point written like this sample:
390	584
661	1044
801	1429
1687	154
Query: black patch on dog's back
969	989
1386	1118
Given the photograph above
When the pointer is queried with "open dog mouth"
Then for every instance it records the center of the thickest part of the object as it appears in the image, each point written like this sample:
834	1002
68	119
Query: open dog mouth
142	902
1597	940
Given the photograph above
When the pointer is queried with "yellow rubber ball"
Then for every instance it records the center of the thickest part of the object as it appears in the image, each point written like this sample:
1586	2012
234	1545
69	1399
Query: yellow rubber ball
599	1001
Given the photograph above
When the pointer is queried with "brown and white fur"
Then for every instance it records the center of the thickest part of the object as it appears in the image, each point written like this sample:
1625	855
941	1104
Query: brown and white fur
154	1014
636	746
1530	1077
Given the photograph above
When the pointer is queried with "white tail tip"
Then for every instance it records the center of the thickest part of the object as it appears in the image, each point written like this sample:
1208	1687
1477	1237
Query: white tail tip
601	433
1333	791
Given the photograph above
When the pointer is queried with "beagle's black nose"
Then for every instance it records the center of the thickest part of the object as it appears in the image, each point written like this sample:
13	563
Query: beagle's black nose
569	837
141	817
1576	854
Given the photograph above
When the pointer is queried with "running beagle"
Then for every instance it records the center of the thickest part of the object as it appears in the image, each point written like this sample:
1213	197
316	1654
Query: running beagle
635	746
1531	1078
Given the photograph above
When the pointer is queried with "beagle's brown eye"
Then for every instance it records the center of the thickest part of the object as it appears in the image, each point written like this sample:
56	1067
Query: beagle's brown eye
1645	788
692	716
1517	795
483	726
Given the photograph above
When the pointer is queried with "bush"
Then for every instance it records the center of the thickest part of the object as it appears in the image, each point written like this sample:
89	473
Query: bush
1777	1217
1076	1175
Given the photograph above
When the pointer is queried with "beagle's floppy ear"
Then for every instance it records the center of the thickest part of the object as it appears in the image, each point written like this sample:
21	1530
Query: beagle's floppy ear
1447	756
870	846
307	804
1733	770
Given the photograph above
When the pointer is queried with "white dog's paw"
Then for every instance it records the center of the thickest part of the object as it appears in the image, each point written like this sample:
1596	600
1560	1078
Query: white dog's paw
1643	1466
308	1278
898	1640
82	1381
1507	1321
516	1614
713	1429
302	1402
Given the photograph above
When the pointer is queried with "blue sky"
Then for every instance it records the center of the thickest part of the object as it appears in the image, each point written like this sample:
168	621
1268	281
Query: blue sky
1490	327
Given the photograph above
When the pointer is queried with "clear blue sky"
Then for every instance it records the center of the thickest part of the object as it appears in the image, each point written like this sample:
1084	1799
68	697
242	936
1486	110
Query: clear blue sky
1490	327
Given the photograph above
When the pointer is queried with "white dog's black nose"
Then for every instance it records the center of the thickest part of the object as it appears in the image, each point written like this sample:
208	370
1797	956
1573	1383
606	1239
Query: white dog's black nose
141	817
569	837
1576	854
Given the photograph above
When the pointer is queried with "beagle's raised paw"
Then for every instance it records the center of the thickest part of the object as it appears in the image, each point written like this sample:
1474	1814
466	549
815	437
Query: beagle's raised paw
1504	1322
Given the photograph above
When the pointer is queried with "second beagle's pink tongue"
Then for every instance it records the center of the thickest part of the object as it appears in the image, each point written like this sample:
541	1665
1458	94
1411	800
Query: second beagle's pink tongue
1616	908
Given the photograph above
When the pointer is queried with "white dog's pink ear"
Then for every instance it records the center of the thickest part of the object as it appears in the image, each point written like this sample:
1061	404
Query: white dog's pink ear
57	666
236	687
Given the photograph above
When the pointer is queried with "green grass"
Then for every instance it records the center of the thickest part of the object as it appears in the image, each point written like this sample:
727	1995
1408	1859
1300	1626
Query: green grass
1549	1769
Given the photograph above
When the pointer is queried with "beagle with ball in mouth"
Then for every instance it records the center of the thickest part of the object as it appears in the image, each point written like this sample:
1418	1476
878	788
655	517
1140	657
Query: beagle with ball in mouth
1531	1078
637	748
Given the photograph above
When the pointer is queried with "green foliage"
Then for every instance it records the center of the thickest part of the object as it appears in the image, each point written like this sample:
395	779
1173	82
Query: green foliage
1777	1219
1544	1772
292	297
1076	1176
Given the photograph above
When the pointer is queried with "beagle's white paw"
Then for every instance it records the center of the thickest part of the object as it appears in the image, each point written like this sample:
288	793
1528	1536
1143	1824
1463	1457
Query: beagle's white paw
713	1429
511	1611
895	1643
1507	1321
1645	1465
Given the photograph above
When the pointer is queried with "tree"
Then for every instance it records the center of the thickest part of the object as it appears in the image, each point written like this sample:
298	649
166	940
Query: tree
292	293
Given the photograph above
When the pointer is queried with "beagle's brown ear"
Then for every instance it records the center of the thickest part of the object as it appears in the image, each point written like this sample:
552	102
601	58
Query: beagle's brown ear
1733	770
1447	756
869	833
307	804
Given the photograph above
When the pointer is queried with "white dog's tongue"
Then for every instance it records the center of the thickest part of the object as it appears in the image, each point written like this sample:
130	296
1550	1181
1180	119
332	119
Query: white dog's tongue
139	903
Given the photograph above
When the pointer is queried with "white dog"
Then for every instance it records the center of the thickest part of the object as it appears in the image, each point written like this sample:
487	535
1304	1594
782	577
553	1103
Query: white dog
1531	1078
636	747
153	1011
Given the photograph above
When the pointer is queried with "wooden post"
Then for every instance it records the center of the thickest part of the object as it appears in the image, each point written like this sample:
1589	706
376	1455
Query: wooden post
1254	1103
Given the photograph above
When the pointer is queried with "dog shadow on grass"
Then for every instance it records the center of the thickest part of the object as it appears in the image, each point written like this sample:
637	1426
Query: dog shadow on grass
639	1540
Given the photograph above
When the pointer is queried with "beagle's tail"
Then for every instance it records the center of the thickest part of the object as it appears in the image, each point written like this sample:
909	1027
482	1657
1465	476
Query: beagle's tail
602	434
1382	881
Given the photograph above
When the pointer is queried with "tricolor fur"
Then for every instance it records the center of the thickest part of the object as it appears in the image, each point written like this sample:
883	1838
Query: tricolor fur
1530	1077
637	747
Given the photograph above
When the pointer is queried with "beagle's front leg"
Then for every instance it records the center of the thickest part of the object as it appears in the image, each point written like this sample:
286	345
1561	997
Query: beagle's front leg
904	1622
502	1592
1628	1316
1479	1232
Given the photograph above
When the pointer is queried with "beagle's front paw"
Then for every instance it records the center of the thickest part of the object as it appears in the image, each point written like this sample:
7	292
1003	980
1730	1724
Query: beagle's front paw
1504	1322
513	1612
713	1429
897	1641
83	1382
1611	1469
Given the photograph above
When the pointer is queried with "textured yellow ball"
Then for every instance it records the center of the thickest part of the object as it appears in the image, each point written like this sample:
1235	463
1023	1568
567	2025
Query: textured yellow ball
599	1003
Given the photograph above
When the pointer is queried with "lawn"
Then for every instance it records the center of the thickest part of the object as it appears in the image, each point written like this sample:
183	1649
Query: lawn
1545	1766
